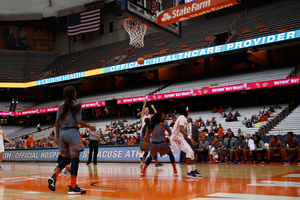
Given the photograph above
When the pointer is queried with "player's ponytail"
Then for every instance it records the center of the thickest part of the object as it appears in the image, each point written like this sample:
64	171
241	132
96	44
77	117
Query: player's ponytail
68	103
155	119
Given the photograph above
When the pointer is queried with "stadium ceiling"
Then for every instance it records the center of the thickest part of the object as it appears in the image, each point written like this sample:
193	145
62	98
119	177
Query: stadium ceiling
9	7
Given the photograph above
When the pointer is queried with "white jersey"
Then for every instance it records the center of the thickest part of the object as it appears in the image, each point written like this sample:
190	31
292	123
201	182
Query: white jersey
181	120
143	119
1	142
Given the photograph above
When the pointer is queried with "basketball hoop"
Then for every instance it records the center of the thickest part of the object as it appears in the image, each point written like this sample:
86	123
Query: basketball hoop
136	31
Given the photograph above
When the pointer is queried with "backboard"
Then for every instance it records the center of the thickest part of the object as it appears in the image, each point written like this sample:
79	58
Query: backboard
147	12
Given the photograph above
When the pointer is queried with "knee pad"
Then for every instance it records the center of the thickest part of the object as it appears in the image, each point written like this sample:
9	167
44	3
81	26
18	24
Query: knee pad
59	159
64	163
148	160
74	166
145	154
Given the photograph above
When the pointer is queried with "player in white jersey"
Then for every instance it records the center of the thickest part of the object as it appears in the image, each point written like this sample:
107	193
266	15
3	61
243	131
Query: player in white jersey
2	136
178	142
145	113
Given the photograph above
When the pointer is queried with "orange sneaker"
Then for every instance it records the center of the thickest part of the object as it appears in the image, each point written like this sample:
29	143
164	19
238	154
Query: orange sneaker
143	173
175	172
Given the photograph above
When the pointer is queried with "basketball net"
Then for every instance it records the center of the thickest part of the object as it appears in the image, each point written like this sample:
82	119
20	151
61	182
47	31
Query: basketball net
136	31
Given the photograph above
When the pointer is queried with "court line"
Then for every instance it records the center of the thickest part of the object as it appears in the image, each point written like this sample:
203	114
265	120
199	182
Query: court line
101	190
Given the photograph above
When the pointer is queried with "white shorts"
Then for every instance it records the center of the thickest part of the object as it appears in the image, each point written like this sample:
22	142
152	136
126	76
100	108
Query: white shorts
213	151
178	142
1	148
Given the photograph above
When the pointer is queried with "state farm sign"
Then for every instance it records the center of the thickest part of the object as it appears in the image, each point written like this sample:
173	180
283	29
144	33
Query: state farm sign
192	9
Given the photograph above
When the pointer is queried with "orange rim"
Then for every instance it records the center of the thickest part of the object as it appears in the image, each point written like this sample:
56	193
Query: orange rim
131	19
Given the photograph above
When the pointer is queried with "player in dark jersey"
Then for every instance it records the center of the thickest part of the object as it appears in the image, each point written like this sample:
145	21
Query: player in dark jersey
158	143
241	150
67	134
291	146
275	146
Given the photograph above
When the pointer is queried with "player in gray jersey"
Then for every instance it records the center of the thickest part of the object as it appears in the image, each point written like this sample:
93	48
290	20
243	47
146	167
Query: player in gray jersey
142	146
67	134
158	143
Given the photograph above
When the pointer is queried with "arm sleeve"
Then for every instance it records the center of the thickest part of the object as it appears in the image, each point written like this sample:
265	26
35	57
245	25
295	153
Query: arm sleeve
58	112
78	114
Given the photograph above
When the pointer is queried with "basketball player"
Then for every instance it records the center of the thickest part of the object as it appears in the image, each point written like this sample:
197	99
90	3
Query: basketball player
2	136
144	147
70	145
146	115
178	142
214	151
158	142
145	112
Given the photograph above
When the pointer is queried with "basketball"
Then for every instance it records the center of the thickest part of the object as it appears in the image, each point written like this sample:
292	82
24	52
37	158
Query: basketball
140	61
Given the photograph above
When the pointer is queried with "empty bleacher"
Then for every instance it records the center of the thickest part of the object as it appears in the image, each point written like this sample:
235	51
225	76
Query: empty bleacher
4	106
270	19
290	123
228	80
21	66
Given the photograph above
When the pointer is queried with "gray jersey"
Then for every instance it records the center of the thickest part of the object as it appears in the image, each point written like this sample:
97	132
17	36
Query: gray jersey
69	120
96	132
158	133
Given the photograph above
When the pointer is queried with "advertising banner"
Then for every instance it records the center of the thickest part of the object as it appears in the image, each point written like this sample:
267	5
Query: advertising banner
197	53
24	37
192	9
187	93
273	83
52	109
213	90
105	154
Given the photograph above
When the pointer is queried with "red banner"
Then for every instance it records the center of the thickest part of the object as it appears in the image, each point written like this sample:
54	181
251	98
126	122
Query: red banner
192	9
188	93
214	90
52	109
273	83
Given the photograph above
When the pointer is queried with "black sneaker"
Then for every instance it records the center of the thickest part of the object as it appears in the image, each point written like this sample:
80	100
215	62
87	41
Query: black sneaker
76	190
269	161
192	175
88	163
51	182
197	173
245	162
159	165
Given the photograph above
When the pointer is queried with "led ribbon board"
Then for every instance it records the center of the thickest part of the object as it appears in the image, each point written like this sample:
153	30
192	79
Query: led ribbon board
163	59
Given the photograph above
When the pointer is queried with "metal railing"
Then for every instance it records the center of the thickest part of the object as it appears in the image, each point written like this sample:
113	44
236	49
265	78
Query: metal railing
281	116
279	131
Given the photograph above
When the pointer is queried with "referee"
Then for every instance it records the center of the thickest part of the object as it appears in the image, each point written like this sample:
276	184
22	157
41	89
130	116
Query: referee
94	141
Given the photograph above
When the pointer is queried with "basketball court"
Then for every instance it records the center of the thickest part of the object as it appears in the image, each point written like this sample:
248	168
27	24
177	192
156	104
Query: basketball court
122	181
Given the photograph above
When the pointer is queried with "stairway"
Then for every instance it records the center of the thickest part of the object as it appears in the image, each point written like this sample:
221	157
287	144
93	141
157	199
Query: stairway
256	60
286	121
